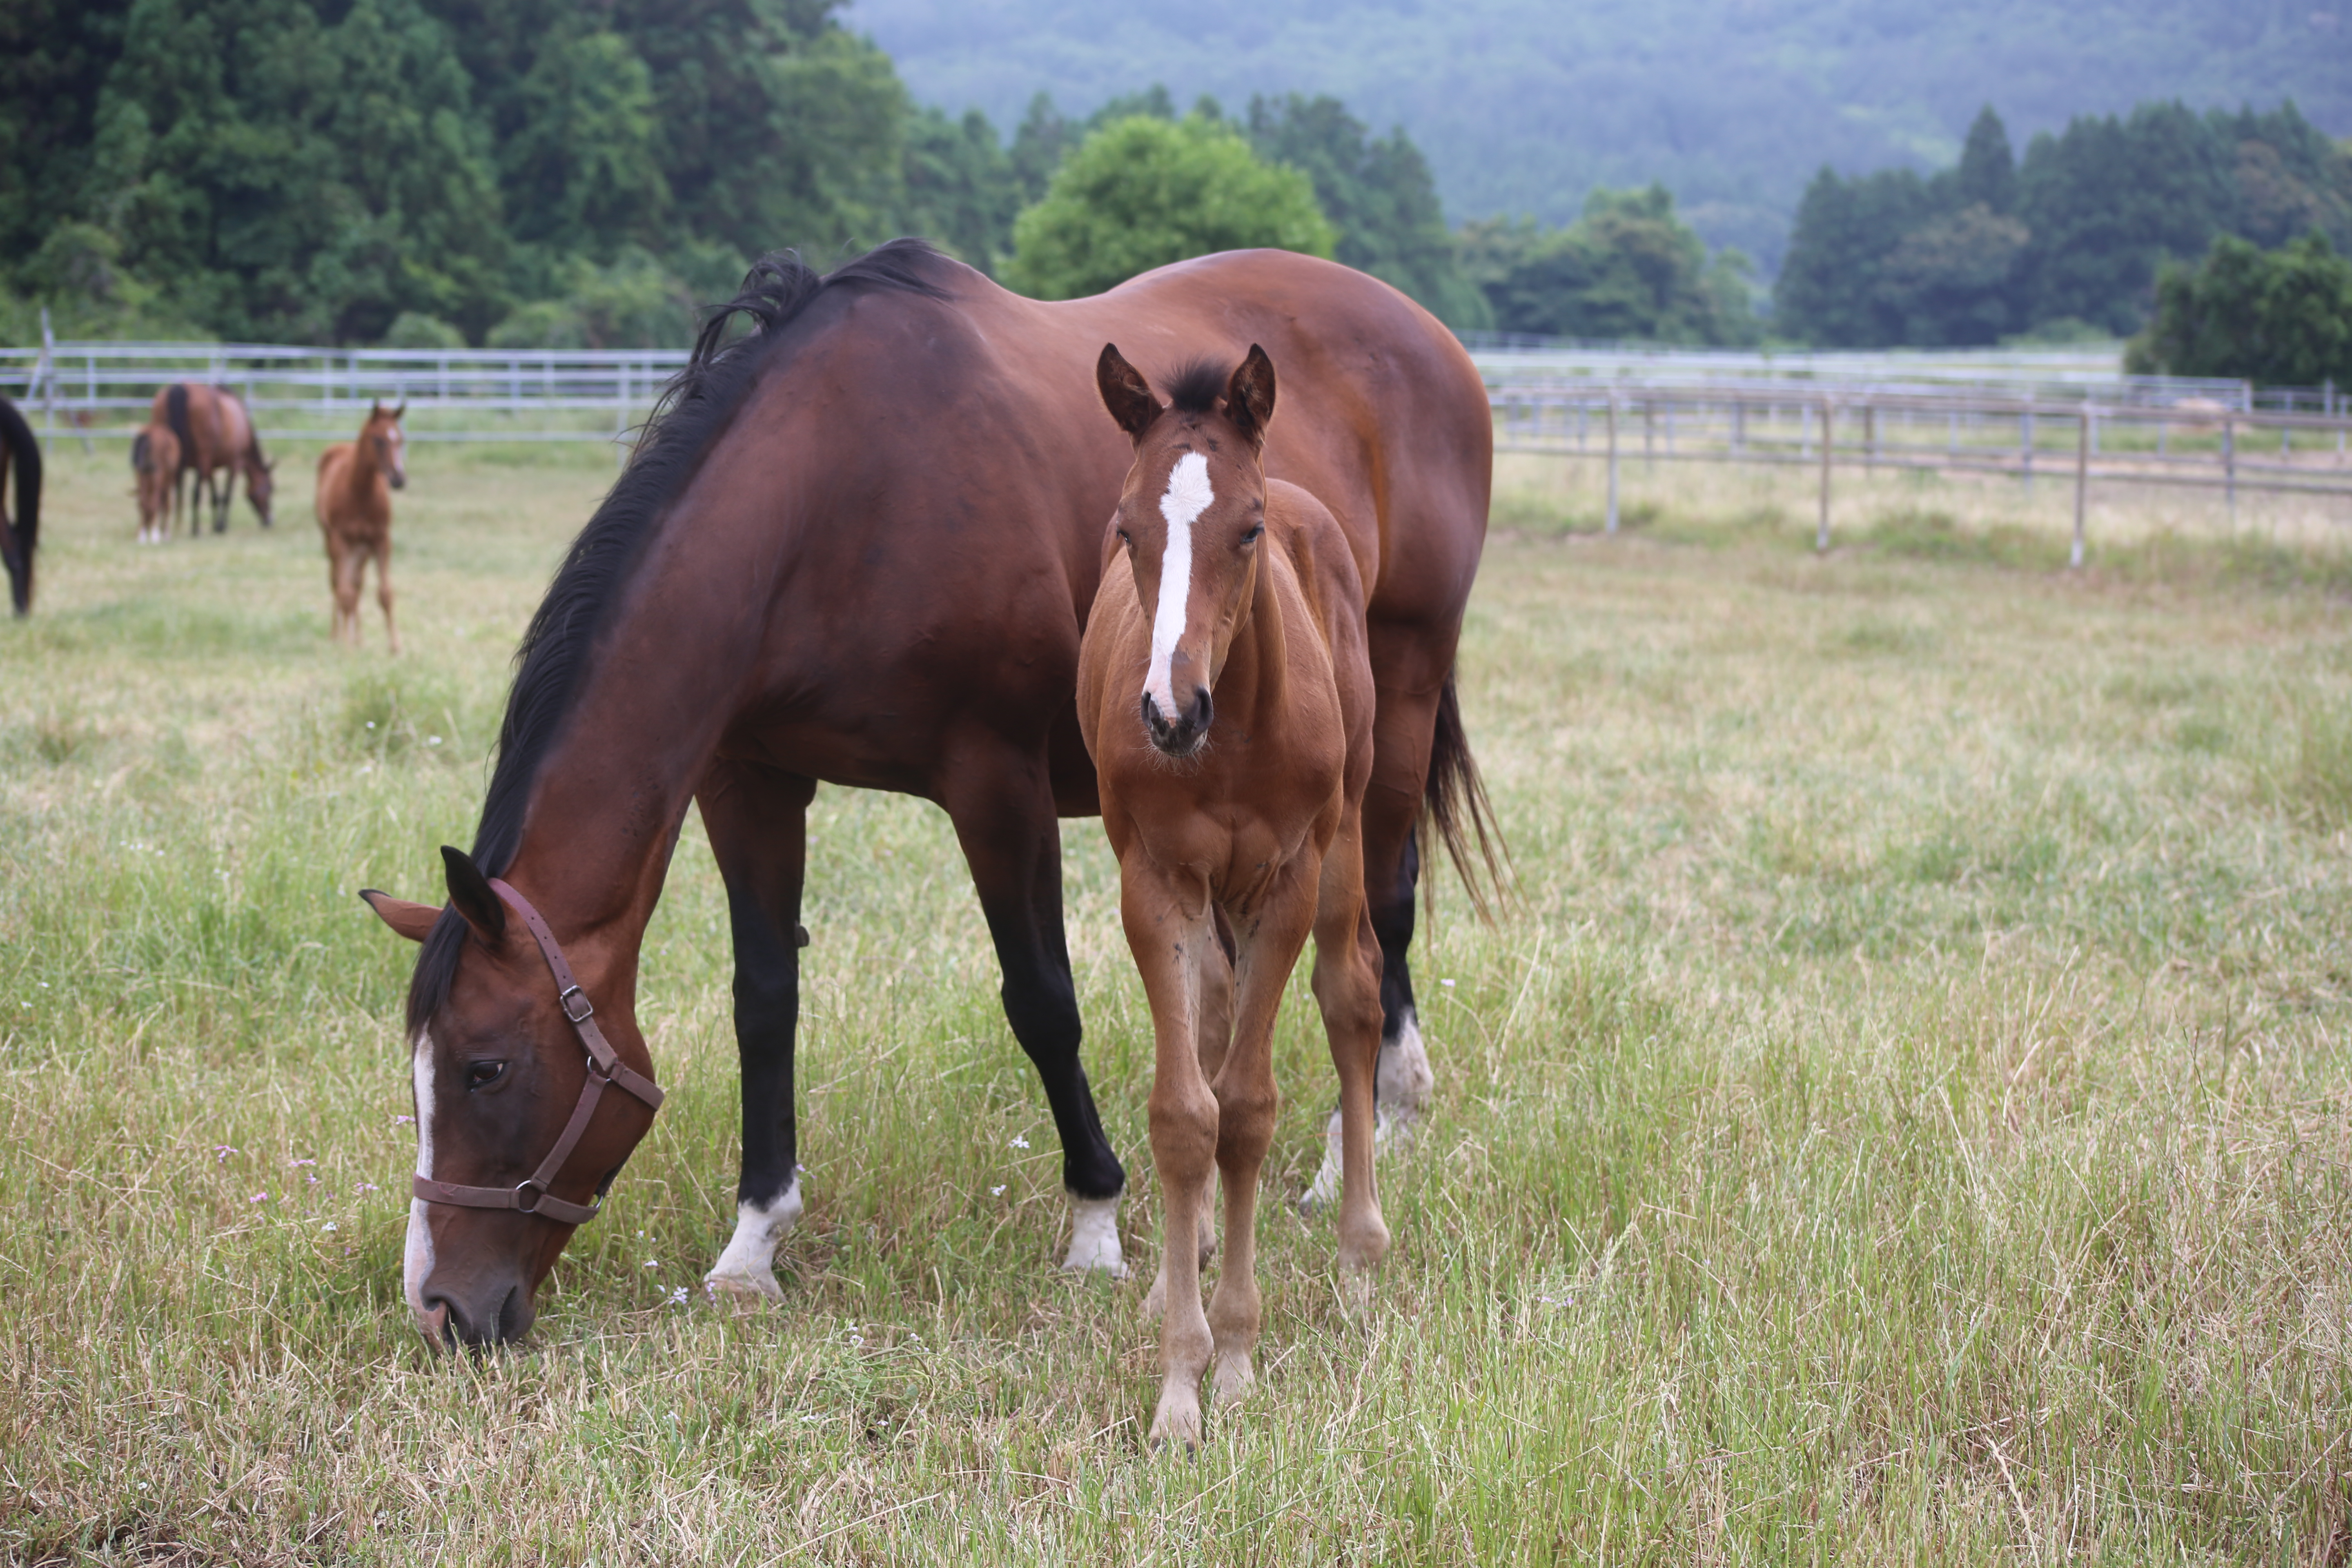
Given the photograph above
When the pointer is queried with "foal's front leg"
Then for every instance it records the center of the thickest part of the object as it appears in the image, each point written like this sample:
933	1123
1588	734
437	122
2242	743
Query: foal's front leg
1168	932
1247	1103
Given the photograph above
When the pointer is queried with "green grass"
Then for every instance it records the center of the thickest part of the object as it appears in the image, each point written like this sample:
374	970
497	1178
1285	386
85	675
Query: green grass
1907	1120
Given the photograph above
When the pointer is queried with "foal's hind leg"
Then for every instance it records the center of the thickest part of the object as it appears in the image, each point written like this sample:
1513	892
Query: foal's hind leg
382	553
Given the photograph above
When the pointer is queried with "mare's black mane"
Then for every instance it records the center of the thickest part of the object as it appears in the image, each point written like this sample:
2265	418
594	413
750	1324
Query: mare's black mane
1197	385
555	651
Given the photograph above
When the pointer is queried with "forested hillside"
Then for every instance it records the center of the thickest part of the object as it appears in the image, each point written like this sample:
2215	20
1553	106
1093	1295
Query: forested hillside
1524	106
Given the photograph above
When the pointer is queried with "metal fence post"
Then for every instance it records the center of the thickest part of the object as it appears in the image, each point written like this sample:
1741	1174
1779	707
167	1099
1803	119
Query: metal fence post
1740	427
2082	483
2229	464
1612	524
1821	534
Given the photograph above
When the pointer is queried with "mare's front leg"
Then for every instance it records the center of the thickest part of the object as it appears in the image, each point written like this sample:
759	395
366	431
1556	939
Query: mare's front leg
1171	935
758	823
1001	799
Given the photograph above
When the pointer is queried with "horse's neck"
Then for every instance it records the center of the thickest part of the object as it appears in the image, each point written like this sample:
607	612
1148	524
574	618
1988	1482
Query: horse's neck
609	795
1258	662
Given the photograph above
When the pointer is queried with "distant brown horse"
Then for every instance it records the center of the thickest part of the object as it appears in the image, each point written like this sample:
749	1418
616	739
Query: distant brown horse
356	479
859	545
20	533
1228	638
217	437
155	460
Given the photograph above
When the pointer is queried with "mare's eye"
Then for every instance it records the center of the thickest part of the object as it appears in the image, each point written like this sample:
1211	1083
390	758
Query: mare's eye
481	1075
1123	538
1252	536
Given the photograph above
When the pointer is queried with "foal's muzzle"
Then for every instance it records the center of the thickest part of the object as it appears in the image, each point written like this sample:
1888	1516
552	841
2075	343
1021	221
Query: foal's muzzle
1181	736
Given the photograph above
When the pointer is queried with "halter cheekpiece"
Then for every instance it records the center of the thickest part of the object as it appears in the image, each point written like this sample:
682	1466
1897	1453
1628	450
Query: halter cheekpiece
604	1066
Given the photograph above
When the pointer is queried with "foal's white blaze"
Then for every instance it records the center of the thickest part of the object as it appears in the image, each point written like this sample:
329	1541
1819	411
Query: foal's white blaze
1188	496
1094	1236
416	1257
749	1263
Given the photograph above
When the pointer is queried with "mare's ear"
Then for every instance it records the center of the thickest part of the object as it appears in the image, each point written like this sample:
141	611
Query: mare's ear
410	921
1249	397
474	898
1125	393
375	406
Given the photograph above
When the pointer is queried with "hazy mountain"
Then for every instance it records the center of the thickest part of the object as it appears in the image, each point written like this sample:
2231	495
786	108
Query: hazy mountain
1523	106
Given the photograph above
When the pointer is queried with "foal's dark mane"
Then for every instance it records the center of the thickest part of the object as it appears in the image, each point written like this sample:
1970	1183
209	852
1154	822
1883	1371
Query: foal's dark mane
1197	385
554	654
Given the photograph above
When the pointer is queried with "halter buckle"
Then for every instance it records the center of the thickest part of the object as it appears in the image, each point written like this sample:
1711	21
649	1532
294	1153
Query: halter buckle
587	1008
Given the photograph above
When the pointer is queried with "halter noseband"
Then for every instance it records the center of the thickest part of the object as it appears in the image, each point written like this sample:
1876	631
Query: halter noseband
604	1066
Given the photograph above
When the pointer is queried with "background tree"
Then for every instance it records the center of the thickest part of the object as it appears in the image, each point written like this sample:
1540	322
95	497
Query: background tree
2282	317
1143	192
1629	269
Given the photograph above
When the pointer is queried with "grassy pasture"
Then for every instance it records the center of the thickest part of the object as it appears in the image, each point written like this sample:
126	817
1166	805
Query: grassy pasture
1907	1120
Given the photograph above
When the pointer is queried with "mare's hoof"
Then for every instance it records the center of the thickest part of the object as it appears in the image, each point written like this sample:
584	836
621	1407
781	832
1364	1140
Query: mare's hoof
744	1291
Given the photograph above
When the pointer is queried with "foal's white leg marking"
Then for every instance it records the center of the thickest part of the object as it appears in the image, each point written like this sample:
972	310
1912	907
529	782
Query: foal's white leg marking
747	1266
1188	496
1094	1236
416	1257
1401	1084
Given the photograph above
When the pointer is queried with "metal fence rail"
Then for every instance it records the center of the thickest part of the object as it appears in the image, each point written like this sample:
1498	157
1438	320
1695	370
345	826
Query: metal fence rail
2188	442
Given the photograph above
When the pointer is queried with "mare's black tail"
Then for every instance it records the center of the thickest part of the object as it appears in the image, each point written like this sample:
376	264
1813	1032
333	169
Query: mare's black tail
1454	803
19	536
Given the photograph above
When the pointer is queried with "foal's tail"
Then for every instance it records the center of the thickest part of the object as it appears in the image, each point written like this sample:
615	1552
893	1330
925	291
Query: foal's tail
1454	803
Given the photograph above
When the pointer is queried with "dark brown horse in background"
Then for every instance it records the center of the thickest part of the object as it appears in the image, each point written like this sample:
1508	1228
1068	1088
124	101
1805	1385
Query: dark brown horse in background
858	546
20	533
216	438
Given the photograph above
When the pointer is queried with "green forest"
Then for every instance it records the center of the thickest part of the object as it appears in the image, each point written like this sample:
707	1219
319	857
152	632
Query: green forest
2067	241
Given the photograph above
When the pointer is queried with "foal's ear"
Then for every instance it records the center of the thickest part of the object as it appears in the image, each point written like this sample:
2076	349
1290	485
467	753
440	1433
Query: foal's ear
1125	393
375	406
471	894
410	921
1249	397
401	409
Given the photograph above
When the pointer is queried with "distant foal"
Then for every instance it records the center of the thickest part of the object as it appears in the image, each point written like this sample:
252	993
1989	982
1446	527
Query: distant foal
155	460
1226	693
356	479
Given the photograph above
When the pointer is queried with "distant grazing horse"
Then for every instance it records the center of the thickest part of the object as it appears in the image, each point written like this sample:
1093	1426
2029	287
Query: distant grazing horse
858	545
356	479
155	460
20	535
217	437
1226	692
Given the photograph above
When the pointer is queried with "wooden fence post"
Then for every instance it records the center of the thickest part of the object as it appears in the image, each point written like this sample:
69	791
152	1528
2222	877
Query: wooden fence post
2082	483
1821	534
1611	525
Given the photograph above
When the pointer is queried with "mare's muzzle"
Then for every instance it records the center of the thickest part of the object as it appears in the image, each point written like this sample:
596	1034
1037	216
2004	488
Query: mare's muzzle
1181	736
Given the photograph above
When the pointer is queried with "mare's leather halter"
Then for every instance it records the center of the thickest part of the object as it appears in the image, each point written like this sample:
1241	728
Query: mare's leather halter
604	1066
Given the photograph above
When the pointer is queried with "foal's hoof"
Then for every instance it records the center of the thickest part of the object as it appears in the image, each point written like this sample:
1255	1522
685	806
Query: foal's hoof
1178	1421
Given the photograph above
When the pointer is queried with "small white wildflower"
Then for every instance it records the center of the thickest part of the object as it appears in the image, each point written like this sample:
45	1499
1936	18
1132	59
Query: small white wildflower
996	1192
677	1298
329	1226
1019	1142
1446	983
432	739
650	1263
806	1419
257	1197
858	1339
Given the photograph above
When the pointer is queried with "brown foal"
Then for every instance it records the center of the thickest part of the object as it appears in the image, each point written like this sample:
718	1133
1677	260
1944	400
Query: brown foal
356	479
1226	693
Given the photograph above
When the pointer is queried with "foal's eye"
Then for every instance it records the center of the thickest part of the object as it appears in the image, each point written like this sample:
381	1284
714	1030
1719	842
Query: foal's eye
481	1075
1252	536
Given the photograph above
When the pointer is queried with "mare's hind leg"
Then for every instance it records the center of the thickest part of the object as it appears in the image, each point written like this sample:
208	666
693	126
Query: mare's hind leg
382	554
1348	992
1000	799
758	823
1404	726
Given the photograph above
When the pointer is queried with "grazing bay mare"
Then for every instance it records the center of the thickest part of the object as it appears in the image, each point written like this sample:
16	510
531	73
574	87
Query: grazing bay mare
1228	637
216	435
858	546
20	532
356	479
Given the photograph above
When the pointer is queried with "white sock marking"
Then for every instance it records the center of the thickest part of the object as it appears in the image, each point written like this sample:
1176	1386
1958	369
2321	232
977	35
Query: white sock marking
1094	1236
1189	495
416	1257
749	1262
